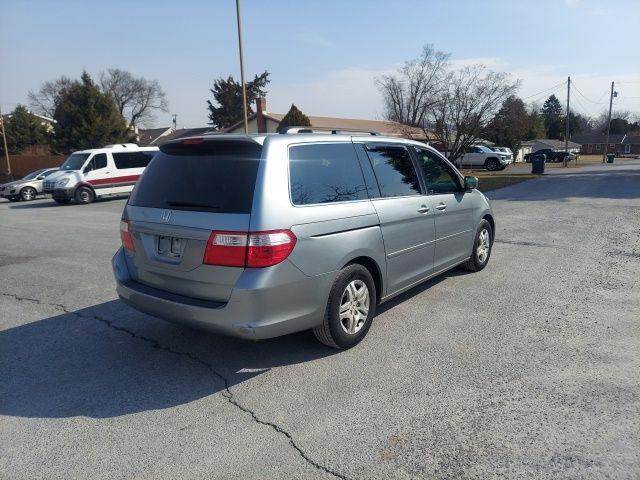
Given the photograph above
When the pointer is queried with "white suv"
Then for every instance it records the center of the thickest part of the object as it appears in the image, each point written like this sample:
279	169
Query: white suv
99	172
484	157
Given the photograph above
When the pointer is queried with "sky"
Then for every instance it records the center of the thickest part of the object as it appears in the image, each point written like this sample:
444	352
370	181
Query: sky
323	56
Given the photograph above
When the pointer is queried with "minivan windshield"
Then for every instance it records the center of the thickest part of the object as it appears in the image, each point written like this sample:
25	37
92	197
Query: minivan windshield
75	161
214	176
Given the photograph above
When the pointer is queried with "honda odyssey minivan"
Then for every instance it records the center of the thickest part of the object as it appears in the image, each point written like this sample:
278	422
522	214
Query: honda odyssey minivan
263	235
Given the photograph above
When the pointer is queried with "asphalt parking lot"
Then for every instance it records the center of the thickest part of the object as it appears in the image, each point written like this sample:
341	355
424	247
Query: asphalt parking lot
528	369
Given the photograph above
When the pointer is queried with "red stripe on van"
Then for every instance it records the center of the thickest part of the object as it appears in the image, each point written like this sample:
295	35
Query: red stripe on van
106	181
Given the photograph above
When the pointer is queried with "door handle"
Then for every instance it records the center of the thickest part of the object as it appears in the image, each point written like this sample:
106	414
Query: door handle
423	209
441	206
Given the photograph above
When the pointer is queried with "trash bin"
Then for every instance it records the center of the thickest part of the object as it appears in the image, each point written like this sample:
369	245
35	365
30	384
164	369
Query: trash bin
537	164
610	157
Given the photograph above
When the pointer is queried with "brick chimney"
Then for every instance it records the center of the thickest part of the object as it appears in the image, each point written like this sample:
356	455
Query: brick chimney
261	108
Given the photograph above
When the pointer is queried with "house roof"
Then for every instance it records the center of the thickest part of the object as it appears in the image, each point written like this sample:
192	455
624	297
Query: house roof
149	136
631	139
185	132
553	143
598	138
382	126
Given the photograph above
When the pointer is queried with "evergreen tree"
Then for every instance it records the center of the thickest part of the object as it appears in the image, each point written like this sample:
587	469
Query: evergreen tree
293	118
87	118
552	115
510	125
227	95
24	130
536	126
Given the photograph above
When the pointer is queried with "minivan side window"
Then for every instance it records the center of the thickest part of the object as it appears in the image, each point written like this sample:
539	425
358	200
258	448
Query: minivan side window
99	160
325	173
394	171
437	174
132	159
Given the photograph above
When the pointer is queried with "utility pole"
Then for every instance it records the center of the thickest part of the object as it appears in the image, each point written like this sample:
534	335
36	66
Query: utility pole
4	142
175	121
606	145
244	88
566	127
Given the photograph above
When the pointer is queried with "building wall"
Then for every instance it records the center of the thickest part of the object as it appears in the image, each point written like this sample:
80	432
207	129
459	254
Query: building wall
272	127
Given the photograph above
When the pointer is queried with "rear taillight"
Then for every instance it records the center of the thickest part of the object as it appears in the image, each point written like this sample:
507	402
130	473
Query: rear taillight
125	236
253	249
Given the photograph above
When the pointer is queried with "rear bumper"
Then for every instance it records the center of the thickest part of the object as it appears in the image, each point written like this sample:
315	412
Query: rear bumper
262	305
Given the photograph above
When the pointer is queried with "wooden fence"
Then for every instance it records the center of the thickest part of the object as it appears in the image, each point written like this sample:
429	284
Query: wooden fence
23	164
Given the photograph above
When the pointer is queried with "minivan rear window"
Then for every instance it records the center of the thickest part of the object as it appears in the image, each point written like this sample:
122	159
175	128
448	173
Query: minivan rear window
214	176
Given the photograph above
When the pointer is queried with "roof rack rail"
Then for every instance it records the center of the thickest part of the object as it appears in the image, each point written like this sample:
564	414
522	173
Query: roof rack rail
333	131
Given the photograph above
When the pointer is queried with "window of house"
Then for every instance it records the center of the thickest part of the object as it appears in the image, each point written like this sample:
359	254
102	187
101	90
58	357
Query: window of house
394	171
325	173
598	146
627	148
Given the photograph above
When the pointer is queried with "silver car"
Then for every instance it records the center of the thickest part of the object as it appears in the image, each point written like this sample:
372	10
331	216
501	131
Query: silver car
28	187
258	236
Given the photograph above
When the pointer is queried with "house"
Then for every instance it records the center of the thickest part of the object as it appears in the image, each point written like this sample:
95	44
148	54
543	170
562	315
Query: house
619	144
631	145
555	145
151	136
263	121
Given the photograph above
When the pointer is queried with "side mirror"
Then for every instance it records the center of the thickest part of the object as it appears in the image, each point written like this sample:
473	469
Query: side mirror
40	177
470	183
88	168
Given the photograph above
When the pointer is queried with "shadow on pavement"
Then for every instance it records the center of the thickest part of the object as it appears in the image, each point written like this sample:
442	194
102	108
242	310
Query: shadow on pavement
76	365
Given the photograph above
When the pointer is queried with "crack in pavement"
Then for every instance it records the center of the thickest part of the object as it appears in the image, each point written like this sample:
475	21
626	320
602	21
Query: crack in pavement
527	244
226	393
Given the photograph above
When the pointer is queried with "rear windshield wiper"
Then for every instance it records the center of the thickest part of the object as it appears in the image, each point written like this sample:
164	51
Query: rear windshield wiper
178	203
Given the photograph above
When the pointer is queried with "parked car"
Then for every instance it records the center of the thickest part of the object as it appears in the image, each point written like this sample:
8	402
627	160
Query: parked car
506	150
99	172
480	156
550	155
258	236
28	187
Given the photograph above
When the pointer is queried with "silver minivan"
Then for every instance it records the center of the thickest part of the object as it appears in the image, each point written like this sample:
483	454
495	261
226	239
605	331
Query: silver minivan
258	236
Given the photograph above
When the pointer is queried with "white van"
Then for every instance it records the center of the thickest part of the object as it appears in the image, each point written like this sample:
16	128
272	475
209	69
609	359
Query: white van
99	172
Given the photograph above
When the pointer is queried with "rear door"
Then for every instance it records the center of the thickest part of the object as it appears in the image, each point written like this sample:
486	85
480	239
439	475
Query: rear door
406	216
453	209
188	191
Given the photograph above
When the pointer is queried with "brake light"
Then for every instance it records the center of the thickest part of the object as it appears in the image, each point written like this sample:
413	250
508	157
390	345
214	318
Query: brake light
125	236
252	249
226	248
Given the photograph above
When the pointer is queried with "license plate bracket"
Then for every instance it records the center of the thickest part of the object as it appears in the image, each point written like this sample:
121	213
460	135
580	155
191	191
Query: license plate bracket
170	246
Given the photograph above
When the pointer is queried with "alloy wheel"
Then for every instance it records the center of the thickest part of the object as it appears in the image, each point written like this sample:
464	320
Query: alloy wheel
354	307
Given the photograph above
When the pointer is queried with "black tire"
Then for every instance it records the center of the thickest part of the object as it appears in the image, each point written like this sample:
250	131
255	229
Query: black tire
27	194
332	332
491	164
84	195
13	199
62	201
476	262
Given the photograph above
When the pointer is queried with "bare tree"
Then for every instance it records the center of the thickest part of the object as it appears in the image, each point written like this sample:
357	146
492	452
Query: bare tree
137	98
410	92
465	107
45	100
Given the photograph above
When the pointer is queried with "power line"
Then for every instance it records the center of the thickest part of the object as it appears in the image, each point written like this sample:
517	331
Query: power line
555	87
585	97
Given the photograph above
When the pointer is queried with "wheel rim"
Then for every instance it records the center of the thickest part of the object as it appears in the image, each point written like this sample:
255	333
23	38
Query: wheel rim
27	194
84	196
484	245
354	307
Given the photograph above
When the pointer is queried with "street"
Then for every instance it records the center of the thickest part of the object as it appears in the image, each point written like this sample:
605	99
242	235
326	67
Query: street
526	369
